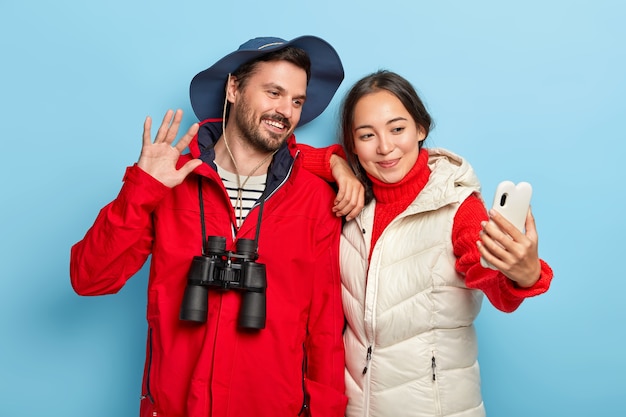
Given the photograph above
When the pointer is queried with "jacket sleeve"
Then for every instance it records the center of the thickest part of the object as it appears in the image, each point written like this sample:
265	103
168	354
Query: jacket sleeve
120	240
324	378
502	292
317	160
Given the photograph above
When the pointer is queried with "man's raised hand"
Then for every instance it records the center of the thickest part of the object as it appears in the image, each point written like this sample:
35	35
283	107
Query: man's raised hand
159	158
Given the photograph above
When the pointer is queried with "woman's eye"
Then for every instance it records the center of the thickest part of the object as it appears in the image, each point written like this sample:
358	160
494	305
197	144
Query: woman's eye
398	129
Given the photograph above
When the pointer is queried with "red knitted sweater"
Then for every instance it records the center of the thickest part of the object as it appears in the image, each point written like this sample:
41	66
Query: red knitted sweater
393	199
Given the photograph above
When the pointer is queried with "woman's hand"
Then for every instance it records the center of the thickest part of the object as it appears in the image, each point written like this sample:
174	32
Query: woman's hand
514	253
351	193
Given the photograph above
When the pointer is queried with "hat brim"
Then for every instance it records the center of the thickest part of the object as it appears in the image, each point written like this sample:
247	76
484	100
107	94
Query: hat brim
207	89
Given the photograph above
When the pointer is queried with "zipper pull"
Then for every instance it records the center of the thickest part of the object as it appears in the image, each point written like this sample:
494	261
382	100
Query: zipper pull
434	366
368	358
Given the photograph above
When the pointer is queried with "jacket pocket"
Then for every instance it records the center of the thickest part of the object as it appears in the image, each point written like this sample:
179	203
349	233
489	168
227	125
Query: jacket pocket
147	406
304	410
147	391
324	400
197	401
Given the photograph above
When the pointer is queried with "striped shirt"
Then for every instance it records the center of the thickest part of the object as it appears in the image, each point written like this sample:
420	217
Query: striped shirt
248	195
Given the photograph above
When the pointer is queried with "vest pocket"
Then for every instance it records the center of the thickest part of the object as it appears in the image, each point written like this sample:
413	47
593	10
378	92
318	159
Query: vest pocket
435	384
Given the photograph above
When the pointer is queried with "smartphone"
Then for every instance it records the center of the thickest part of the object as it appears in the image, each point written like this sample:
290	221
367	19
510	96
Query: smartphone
513	202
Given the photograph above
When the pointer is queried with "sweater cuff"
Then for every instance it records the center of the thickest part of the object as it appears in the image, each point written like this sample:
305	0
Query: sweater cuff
540	287
317	160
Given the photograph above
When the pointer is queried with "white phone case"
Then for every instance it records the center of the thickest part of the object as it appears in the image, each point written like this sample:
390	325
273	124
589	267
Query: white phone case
512	201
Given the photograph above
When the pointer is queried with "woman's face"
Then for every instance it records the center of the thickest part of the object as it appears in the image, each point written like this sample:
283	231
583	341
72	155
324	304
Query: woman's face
385	136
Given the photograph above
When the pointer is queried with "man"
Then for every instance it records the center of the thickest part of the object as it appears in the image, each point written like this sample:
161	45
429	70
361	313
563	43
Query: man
227	336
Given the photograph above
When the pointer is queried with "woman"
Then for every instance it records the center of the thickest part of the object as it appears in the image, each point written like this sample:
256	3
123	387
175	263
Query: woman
410	261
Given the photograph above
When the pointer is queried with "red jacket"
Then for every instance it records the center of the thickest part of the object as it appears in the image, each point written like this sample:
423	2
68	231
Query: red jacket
295	366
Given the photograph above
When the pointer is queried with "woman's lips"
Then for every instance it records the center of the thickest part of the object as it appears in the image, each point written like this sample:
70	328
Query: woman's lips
388	164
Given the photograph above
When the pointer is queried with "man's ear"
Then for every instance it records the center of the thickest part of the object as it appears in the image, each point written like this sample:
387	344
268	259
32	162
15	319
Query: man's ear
231	88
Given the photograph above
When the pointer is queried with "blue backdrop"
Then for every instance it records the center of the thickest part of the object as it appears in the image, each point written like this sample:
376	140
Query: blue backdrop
530	90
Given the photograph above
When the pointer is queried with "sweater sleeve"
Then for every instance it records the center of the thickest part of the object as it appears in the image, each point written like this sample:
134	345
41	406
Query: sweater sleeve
502	292
317	160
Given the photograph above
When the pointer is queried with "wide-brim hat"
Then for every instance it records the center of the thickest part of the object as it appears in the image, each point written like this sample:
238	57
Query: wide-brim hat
207	89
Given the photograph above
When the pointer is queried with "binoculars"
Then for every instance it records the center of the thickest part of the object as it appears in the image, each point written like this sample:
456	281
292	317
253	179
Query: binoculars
226	270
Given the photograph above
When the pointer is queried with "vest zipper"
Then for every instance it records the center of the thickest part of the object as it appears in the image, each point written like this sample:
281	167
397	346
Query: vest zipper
368	358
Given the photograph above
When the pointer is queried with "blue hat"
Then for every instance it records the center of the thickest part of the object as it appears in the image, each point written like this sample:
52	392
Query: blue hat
207	87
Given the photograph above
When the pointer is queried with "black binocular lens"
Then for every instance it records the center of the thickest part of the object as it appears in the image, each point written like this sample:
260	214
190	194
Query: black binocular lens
195	304
226	270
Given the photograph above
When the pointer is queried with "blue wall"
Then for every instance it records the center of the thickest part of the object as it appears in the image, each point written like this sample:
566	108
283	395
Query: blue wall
530	90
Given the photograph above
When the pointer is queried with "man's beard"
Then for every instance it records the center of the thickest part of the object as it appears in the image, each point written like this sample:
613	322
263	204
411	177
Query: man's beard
249	127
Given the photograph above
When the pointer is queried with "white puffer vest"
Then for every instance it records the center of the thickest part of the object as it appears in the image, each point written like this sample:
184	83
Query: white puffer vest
411	348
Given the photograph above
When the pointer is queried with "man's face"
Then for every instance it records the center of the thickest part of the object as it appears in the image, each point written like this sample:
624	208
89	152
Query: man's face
268	108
